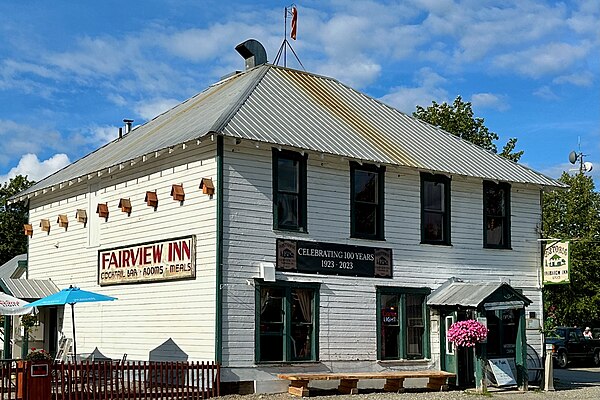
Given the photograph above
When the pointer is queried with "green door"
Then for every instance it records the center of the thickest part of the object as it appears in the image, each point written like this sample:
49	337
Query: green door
448	355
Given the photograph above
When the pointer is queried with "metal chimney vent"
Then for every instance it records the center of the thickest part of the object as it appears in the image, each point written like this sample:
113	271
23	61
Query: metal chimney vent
253	52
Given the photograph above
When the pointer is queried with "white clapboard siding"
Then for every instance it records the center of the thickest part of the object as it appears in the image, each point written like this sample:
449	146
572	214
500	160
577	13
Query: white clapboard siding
347	314
147	316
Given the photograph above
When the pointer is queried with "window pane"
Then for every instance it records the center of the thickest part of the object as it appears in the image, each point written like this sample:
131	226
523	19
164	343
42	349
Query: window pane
433	196
302	323
433	226
287	210
495	231
365	186
416	325
288	175
271	324
390	326
495	202
365	217
271	348
271	305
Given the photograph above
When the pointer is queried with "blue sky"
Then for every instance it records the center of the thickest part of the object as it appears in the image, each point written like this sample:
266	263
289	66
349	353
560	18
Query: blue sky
70	71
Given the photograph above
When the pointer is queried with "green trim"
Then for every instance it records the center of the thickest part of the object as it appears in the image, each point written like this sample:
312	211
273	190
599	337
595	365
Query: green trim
402	322
521	352
287	350
506	236
219	256
380	218
446	215
7	351
302	190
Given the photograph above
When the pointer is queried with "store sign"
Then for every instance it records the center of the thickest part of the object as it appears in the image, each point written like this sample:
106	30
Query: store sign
333	259
148	262
556	263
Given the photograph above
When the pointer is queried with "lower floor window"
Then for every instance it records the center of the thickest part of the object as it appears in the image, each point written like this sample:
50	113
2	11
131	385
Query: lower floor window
402	320
286	322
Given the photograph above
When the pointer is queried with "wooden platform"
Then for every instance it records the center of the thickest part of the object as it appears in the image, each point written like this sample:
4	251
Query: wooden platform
394	380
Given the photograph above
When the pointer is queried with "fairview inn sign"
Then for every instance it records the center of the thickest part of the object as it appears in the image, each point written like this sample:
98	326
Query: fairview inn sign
153	261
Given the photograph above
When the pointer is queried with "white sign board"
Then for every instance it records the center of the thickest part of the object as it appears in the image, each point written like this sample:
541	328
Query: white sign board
556	263
147	262
502	372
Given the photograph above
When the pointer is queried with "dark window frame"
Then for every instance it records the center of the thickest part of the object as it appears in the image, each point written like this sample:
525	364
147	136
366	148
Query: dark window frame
287	287
301	225
506	236
446	214
403	323
380	205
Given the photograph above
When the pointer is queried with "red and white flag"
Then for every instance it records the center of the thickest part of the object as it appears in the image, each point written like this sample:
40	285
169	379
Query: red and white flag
294	22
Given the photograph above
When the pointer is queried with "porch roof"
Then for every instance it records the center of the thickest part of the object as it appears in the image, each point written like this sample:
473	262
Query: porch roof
491	295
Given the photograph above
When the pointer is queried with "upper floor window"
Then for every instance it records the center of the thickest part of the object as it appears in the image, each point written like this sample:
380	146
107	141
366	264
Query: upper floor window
435	209
366	208
289	191
496	215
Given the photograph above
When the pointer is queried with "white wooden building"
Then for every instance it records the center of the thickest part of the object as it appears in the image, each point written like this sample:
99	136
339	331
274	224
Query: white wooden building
315	221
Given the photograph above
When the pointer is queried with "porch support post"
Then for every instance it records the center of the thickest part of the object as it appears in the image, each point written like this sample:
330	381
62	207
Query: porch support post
480	361
521	353
7	351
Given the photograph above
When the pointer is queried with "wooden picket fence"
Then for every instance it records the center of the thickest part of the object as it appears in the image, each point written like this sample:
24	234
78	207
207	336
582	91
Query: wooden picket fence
108	380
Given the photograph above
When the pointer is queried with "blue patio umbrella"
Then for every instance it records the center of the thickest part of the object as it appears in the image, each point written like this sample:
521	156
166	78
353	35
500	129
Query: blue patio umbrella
71	295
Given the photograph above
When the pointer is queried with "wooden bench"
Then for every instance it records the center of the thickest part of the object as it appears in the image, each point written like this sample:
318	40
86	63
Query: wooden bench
394	380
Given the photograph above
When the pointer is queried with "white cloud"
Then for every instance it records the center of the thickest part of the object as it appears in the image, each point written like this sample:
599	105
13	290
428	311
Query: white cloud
545	93
149	109
550	58
490	100
584	78
35	169
20	138
406	98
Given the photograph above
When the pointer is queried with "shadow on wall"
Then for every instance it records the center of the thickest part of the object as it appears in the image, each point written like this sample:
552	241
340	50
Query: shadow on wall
168	351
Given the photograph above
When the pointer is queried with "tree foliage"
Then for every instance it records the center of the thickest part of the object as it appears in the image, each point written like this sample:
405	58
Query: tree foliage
12	217
574	214
458	119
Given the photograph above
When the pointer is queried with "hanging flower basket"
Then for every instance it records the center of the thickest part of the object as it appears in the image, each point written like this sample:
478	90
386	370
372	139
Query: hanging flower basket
467	333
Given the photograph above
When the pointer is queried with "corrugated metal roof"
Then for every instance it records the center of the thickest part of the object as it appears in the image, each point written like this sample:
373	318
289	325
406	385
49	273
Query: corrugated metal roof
289	107
455	293
15	267
29	289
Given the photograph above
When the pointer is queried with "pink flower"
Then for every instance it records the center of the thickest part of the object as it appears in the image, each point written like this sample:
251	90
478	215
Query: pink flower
467	333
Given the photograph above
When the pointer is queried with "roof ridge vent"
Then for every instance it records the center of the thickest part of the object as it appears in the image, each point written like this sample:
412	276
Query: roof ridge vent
253	52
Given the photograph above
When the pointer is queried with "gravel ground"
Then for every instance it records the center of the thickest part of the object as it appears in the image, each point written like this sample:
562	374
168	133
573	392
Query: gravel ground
591	392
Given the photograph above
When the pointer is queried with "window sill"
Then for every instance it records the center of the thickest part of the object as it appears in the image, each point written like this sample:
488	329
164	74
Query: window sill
497	248
284	230
391	363
286	363
372	239
437	244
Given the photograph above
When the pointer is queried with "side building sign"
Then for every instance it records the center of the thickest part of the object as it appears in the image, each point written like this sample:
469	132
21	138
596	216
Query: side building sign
148	262
556	263
333	259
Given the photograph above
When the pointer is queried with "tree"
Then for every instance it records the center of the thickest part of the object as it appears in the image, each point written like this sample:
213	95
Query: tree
457	118
12	217
574	215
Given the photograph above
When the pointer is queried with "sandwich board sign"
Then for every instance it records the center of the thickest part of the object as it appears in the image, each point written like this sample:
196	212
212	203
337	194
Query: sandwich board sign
502	372
556	263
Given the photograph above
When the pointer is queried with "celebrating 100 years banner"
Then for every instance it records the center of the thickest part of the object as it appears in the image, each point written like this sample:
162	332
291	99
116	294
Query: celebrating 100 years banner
148	262
333	259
